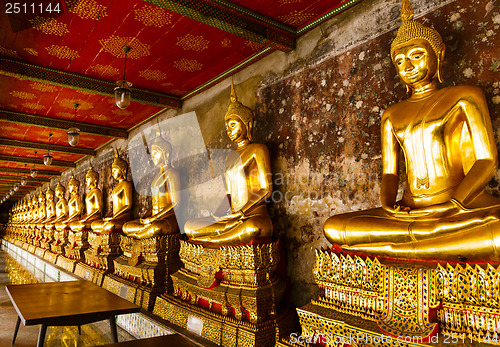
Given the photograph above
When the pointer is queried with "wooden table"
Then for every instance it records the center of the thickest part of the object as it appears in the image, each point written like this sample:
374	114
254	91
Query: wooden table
158	341
66	303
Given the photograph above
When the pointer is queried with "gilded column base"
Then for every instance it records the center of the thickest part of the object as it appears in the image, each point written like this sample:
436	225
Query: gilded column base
77	244
138	294
103	250
412	300
90	273
39	252
60	242
145	267
239	281
66	263
31	248
51	257
223	330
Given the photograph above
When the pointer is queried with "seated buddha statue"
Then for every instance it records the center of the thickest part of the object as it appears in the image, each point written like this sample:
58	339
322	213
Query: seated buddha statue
450	155
47	223
38	225
160	219
61	212
248	184
74	205
93	203
122	200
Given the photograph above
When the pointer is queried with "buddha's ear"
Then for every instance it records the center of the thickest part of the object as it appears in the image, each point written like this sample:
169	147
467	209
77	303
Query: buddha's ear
440	61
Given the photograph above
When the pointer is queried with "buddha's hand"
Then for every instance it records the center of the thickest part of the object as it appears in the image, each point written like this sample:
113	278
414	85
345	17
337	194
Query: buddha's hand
148	220
444	209
228	217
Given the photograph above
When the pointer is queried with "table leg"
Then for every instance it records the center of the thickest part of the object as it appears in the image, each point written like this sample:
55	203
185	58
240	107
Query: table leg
112	324
79	330
41	335
17	329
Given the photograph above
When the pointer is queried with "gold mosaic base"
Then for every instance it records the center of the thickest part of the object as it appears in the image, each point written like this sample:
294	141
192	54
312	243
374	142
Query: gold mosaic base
133	292
103	250
31	248
66	263
413	299
259	301
39	252
51	257
90	273
77	245
222	330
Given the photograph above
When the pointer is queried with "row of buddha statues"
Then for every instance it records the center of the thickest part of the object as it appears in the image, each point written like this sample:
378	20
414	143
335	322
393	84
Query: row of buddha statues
445	213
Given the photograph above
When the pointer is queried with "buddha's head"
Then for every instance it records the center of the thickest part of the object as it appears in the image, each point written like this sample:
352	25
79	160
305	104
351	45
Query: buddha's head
91	178
73	185
49	194
238	119
60	190
41	198
119	167
417	50
161	150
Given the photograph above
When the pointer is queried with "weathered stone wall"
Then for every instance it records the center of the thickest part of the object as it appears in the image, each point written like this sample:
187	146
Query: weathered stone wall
318	110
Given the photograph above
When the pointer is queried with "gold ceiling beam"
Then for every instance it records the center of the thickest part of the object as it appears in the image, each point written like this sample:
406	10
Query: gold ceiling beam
27	171
21	70
28	179
46	146
233	19
28	160
62	124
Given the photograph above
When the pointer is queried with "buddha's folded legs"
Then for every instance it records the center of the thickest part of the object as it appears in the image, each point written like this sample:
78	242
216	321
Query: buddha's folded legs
376	226
241	231
165	226
481	243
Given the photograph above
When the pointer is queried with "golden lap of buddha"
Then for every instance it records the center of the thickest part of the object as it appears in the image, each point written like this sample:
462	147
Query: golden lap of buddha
165	190
122	200
450	155
248	184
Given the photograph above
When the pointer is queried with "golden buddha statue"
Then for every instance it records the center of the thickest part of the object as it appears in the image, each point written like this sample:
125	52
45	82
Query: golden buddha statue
160	219
61	213
47	223
450	155
74	205
248	184
122	200
37	224
93	203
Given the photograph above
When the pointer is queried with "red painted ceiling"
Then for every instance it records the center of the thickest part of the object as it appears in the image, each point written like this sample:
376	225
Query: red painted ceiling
174	55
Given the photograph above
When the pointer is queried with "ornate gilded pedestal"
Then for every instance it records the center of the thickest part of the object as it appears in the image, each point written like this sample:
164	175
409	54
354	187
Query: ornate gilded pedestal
103	250
233	292
60	241
392	303
143	271
77	244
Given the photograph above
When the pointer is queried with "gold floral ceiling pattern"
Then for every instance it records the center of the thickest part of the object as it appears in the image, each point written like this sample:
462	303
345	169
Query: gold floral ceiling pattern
226	43
105	70
193	42
9	52
22	95
87	9
114	45
31	51
62	52
70	103
52	27
43	87
297	17
188	65
153	16
33	106
153	75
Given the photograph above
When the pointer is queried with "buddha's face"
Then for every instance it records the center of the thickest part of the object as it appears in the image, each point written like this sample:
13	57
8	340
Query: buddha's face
49	196
73	188
415	62
116	173
59	193
235	129
157	157
90	181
